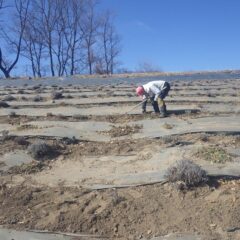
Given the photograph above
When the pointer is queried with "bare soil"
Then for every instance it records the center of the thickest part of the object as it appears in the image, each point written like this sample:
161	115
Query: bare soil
211	210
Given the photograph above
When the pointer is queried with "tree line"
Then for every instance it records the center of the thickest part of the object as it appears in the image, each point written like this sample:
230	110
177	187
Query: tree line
58	37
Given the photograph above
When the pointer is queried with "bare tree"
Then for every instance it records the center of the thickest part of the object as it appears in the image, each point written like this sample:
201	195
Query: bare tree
46	11
148	67
110	44
21	11
1	4
73	33
89	28
69	34
33	44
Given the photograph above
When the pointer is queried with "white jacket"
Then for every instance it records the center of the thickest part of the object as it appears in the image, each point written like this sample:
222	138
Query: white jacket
153	89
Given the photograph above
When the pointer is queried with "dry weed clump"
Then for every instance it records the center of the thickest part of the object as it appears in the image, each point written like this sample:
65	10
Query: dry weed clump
56	95
5	136
27	168
3	104
40	150
213	154
21	140
186	172
37	98
118	131
9	98
12	114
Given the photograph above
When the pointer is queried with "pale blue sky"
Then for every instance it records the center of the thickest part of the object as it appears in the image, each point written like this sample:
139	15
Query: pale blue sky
179	35
176	35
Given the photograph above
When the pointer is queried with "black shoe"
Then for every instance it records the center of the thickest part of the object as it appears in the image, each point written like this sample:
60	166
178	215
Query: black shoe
163	115
163	112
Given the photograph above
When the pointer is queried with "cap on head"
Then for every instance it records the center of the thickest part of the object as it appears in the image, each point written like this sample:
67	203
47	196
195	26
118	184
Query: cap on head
140	91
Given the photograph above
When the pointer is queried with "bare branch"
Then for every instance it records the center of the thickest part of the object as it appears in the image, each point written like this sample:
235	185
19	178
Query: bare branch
21	8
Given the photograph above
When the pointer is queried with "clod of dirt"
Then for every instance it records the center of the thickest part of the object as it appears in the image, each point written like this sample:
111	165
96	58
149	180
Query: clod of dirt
167	126
3	104
9	98
56	95
40	150
214	154
123	130
187	172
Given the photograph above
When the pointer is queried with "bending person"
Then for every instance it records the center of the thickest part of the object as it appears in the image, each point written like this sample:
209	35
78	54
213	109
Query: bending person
156	91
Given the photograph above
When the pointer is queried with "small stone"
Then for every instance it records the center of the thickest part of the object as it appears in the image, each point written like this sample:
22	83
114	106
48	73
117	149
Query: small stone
212	225
115	228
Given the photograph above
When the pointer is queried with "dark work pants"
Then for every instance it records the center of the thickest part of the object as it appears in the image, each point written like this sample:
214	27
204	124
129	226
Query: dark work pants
154	104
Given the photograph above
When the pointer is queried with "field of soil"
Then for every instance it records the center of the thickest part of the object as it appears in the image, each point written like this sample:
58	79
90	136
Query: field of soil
103	174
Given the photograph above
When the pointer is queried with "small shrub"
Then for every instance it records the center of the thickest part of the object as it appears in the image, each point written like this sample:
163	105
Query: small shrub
5	135
12	114
24	98
49	114
56	95
35	87
37	98
79	117
68	141
61	116
9	98
40	150
39	90
69	96
187	172
21	141
3	104
20	91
